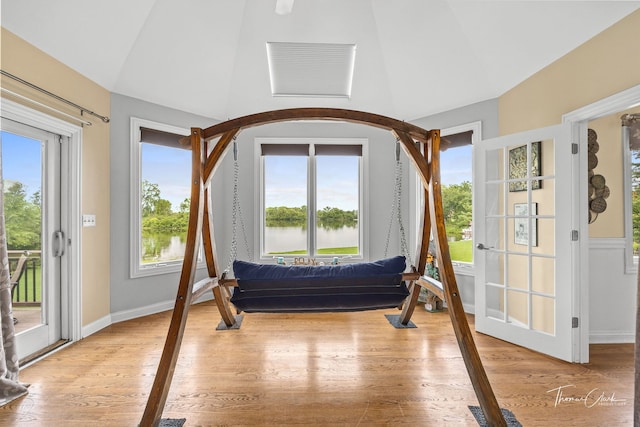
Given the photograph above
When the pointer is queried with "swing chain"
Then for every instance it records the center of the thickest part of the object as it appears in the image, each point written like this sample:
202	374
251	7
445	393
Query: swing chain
236	214
396	210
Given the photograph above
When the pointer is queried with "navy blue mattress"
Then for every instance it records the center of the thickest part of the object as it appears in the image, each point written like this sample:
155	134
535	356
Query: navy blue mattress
301	288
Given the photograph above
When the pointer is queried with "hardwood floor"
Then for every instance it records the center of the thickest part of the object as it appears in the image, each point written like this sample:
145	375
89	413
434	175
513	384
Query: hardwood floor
346	369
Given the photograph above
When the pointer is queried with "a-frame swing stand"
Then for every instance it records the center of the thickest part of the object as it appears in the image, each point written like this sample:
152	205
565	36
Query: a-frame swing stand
423	149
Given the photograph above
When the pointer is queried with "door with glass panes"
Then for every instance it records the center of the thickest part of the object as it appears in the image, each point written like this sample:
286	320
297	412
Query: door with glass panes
524	239
32	203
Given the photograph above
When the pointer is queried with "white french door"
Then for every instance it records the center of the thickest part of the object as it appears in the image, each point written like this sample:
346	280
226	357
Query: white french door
32	175
524	239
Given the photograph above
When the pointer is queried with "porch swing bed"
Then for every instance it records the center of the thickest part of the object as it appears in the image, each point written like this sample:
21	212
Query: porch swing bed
386	283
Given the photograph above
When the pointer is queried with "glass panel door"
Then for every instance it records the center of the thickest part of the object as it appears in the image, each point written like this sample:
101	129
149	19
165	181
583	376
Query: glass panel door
31	173
524	282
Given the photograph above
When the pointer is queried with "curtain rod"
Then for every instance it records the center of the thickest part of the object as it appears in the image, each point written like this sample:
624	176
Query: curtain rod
17	95
53	95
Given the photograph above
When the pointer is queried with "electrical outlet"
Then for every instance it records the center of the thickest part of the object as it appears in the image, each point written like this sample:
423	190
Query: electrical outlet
88	220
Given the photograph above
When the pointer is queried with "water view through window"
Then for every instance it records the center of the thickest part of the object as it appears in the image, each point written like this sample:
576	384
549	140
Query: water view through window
164	199
333	190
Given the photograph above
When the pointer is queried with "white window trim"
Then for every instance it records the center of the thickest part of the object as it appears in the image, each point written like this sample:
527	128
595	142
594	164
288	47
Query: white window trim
363	224
136	269
464	268
630	261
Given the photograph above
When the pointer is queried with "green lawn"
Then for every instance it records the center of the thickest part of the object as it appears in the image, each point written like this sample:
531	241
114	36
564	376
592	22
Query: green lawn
461	250
349	250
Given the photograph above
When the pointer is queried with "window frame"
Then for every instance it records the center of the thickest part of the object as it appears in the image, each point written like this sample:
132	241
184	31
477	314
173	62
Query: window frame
363	216
137	269
630	261
459	267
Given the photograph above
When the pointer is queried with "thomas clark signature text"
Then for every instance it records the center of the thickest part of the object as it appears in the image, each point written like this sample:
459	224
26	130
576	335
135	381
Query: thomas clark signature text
595	397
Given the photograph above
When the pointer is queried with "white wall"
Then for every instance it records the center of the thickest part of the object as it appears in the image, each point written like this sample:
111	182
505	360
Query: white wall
136	297
612	293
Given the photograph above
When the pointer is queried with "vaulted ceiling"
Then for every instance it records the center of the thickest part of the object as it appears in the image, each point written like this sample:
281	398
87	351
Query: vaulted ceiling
413	57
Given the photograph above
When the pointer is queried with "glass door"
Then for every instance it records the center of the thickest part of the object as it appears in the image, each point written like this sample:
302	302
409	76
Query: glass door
524	280
32	175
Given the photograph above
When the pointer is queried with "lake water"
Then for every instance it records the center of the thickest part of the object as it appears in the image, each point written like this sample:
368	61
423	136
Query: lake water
162	247
159	247
286	239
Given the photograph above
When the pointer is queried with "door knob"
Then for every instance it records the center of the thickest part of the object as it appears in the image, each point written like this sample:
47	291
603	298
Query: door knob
481	246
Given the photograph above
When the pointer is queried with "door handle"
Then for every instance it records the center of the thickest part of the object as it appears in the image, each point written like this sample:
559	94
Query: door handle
58	244
481	246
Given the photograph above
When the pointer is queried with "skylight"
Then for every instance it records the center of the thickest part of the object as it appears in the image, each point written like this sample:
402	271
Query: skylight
311	69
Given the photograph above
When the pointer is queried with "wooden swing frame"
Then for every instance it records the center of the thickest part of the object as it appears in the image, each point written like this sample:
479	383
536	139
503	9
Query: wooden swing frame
423	149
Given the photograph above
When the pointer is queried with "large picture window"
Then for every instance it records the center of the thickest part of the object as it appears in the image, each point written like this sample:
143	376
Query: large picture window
160	191
311	198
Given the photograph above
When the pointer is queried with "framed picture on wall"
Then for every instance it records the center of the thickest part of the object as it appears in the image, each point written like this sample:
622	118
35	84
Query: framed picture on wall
518	167
521	225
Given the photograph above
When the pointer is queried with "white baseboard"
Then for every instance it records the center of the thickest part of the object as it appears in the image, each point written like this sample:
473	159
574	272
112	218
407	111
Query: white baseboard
611	337
94	327
159	307
121	316
134	313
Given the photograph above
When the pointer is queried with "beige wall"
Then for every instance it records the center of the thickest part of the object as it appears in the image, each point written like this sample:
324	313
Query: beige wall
599	68
25	61
610	223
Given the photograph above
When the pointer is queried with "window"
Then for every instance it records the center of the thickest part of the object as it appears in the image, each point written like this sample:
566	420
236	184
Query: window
631	149
456	175
455	166
160	192
311	198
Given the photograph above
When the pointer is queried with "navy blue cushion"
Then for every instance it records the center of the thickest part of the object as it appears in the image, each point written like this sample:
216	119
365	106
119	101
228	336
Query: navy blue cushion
301	288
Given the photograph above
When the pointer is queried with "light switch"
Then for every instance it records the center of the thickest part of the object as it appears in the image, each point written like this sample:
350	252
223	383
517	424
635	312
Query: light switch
88	220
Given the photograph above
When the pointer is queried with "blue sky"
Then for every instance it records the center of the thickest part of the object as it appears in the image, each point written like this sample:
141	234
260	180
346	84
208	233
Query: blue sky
286	180
286	184
337	181
338	178
455	165
170	169
21	161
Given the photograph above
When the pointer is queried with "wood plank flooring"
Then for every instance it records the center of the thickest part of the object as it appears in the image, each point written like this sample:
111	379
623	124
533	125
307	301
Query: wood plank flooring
346	369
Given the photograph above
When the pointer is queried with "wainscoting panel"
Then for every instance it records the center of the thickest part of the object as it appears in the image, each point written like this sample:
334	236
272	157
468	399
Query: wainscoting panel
612	293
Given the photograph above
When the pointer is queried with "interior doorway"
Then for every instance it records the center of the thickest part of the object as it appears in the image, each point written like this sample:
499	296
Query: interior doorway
611	250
